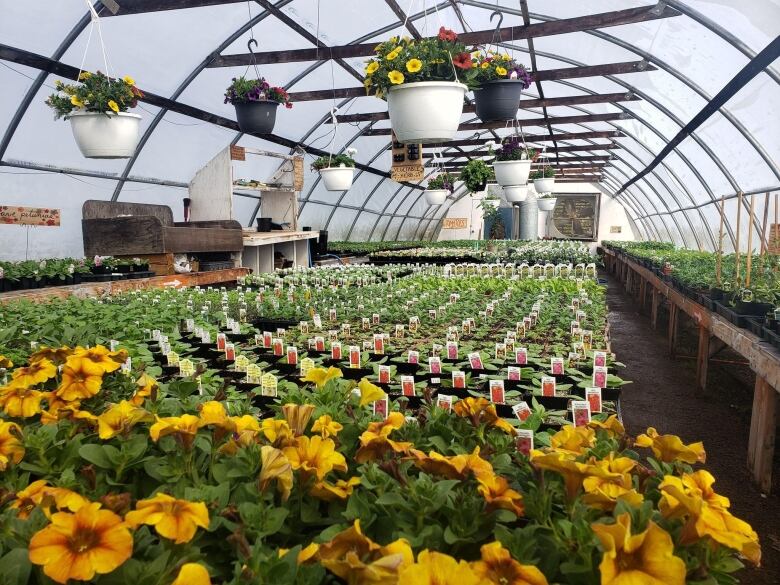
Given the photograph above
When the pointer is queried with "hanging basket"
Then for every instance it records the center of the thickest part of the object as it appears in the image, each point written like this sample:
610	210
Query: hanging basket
547	204
499	100
512	172
516	193
544	185
436	196
105	135
256	117
426	111
337	178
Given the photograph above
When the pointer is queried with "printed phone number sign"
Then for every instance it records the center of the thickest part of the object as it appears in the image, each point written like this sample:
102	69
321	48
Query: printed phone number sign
29	215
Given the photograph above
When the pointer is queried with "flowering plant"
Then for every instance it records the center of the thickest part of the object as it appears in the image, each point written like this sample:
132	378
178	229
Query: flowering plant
333	161
442	181
243	91
476	174
96	92
492	67
543	173
513	149
405	60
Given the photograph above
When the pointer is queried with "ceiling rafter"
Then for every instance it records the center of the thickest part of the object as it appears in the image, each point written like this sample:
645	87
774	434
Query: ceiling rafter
403	18
473	153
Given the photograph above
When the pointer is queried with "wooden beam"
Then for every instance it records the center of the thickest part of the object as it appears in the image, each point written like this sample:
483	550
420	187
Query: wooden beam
473	153
510	33
560	149
763	429
561	171
399	12
702	358
142	6
531	138
573	100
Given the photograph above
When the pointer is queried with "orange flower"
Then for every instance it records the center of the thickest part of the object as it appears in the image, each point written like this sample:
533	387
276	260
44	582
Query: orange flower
481	411
77	546
80	380
498	495
41	493
298	416
341	490
315	456
375	441
278	432
176	520
11	448
453	467
34	374
100	356
192	574
498	566
19	401
58	355
669	448
183	427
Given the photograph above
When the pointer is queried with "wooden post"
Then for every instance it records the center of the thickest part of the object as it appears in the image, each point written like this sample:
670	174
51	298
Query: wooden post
720	240
642	294
749	263
654	309
764	234
674	313
761	445
702	358
739	225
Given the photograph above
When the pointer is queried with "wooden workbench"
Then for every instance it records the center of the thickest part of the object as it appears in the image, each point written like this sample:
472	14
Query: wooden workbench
260	247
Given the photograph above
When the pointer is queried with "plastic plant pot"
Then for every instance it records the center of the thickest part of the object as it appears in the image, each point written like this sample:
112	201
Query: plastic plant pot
436	196
515	193
337	178
105	135
512	172
544	185
426	111
256	117
498	100
547	203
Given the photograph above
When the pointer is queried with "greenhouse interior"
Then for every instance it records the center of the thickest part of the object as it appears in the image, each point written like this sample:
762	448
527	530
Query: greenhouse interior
389	292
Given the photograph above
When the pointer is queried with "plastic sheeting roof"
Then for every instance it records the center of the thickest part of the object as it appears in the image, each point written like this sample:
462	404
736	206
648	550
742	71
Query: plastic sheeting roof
695	53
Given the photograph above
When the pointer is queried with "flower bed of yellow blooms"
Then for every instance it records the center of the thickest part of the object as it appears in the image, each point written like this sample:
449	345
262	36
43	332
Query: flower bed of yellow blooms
114	478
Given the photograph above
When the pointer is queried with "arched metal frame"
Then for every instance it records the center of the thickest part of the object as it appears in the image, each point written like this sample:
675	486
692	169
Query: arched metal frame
637	203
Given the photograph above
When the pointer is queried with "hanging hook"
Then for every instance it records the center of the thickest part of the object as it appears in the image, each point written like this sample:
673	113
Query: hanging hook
497	31
249	44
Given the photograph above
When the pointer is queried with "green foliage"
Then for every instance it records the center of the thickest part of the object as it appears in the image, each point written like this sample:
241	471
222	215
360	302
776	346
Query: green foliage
333	161
475	174
95	92
543	173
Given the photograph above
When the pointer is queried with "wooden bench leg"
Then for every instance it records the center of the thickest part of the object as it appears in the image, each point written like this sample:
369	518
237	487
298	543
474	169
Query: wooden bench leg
702	359
761	446
674	313
654	308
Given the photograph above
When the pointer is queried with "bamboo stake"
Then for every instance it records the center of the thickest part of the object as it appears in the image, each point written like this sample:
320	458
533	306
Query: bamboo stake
739	225
720	239
749	263
764	234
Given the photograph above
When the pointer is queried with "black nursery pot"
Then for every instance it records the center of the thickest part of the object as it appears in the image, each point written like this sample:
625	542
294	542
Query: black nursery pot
498	100
264	224
256	117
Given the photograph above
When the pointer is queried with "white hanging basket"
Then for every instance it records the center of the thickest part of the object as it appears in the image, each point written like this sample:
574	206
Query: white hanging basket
516	193
436	196
544	185
106	135
512	172
337	178
547	204
426	111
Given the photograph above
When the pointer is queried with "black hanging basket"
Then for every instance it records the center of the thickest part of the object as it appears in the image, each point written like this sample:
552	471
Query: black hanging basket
498	100
256	117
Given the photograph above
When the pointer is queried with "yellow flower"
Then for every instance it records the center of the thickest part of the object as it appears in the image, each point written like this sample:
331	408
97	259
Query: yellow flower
5	363
36	373
647	557
321	376
573	439
481	411
105	361
76	546
76	101
81	379
41	493
393	54
120	418
192	574
372	67
670	448
18	401
128	80
326	426
485	64
563	463
11	447
278	432
213	412
454	467
375	441
395	77
369	392
315	456
146	385
413	65
84	75
113	105
58	355
183	427
612	425
275	467
176	520
433	568
341	490
498	495
298	416
501	72
498	566
603	491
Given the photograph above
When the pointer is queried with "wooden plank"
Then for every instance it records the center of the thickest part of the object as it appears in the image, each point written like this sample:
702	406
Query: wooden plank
541	29
763	429
671	334
470	154
654	310
531	138
127	7
702	359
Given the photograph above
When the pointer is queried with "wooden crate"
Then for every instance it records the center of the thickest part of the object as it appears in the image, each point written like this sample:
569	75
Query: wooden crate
160	264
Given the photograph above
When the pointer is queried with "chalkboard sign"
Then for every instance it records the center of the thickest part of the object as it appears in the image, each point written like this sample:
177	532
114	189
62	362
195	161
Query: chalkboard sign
576	216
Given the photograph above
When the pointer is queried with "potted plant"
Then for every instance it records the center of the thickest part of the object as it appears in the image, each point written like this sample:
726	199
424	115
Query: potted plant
336	170
476	175
546	201
490	213
421	81
544	179
500	81
97	110
255	101
513	162
515	193
438	188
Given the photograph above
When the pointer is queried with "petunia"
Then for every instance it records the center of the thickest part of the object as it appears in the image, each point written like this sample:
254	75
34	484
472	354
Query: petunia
40	493
669	448
434	568
341	490
321	376
11	447
36	373
298	416
184	428
192	574
128	80
146	386
19	401
81	379
104	359
315	456
498	566
573	439
463	61
113	105
278	432
119	419
395	77
369	392
375	440
481	411
413	65
176	520
372	67
498	495
275	466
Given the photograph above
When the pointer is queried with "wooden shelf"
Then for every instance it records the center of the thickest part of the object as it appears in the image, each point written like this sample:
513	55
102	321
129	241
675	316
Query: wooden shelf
94	289
255	238
260	249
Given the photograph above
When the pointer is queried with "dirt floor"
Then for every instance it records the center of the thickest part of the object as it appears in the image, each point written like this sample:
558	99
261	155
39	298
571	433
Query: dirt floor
662	395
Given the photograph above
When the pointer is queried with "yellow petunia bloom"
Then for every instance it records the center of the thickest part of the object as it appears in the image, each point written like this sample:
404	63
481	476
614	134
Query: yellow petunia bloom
452	467
184	428
315	456
498	566
564	464
395	77
128	80
604	490
213	412
119	419
501	71
11	447
77	546
41	493
413	65
176	520
104	360
341	490
298	416
612	425
192	574
669	448
393	54
369	392
5	363
113	105
278	432
485	64
36	373
146	388
321	376
58	355
372	67
647	557
498	495
433	568
76	101
326	426
573	439
375	440
481	411
275	467
81	379
20	402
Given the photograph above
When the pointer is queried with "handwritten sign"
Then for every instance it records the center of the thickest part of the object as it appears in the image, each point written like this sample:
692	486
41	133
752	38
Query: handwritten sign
29	215
298	173
774	239
407	173
237	153
454	223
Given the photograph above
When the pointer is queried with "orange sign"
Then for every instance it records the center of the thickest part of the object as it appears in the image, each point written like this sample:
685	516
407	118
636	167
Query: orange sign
237	152
45	216
454	223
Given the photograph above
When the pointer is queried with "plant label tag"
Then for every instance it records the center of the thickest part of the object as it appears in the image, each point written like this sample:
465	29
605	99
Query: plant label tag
434	365
354	356
221	341
556	366
319	343
522	411
527	323
379	343
593	396
432	314
332	314
333	334
269	385
414	323
384	374
476	361
335	350
230	352
548	386
173	358
253	374
581	315
580	412
235	327
375	318
242	363
413	357
514	373
399	331
186	368
304	326
156	334
458	379
407	385
306	365
497	391
521	356
380	407
126	367
524	441
444	401
436	350
599	359
292	355
267	339
278	346
317	320
452	350
281	331
574	327
600	377
206	337
365	323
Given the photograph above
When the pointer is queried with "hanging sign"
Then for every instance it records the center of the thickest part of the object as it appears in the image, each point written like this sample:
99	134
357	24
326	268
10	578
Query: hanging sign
454	223
237	153
10	214
298	173
407	162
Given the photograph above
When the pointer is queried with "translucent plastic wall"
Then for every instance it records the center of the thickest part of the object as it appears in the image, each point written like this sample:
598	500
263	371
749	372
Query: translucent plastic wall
695	54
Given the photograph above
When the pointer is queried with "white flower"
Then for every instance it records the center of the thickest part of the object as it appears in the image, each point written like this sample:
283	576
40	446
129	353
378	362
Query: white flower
352	152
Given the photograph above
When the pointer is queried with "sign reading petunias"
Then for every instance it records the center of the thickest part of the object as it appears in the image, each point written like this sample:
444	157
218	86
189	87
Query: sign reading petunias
43	216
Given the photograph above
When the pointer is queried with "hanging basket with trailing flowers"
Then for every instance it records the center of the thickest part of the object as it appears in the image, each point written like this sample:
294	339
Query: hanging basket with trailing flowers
439	187
499	82
424	82
256	101
96	108
336	170
513	162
